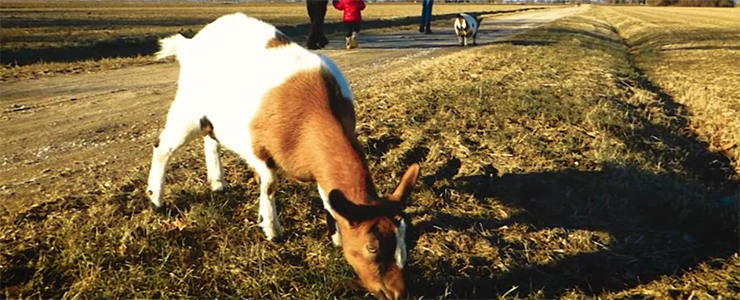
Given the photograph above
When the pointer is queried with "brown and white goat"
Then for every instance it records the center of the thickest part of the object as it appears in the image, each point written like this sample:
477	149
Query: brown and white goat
244	85
466	26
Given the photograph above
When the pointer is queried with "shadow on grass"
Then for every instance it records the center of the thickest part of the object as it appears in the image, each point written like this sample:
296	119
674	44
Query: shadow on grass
707	47
659	224
651	237
558	34
148	45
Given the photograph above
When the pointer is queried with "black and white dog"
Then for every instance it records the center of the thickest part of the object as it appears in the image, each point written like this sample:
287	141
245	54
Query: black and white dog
466	26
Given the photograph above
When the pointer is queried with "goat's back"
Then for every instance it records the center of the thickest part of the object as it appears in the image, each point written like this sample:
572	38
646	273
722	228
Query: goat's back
259	90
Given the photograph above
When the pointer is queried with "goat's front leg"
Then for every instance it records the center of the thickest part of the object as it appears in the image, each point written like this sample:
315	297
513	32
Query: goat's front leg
267	211
213	163
336	236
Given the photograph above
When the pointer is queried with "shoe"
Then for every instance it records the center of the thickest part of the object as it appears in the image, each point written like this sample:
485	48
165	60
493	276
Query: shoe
353	40
313	46
323	41
428	31
421	29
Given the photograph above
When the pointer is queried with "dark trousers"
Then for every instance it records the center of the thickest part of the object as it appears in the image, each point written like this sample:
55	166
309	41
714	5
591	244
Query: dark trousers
426	14
352	27
316	12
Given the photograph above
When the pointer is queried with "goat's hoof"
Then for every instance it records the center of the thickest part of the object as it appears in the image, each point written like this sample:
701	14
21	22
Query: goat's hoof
155	198
273	233
275	237
218	185
336	239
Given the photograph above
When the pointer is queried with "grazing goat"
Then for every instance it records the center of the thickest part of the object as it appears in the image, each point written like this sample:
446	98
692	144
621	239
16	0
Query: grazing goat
244	85
466	26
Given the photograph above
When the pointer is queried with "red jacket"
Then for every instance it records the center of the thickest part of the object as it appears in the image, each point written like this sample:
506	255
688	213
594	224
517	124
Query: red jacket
351	9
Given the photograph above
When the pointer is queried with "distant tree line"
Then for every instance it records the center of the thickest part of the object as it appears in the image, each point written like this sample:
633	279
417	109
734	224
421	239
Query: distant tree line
703	3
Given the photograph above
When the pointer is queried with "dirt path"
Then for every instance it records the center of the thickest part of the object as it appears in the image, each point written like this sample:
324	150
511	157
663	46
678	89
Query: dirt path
492	28
78	134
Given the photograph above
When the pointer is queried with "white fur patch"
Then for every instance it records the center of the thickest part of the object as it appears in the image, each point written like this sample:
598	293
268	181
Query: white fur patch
460	26
226	71
336	238
401	245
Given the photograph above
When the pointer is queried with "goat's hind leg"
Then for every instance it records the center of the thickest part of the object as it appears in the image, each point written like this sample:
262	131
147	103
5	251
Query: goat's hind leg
176	133
213	163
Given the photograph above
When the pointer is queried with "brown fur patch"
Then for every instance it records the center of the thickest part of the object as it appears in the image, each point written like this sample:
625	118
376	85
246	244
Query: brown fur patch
207	127
385	231
272	189
271	163
308	129
264	155
278	41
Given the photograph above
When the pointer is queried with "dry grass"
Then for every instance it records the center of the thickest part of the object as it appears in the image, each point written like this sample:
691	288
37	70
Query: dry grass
694	59
553	168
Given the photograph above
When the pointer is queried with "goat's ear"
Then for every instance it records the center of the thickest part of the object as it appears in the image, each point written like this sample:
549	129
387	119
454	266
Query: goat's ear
407	184
342	206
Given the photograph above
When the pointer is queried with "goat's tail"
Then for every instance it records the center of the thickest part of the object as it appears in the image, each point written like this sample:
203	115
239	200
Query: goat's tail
168	46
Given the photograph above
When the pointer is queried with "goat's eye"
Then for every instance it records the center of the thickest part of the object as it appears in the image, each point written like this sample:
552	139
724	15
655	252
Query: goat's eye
372	249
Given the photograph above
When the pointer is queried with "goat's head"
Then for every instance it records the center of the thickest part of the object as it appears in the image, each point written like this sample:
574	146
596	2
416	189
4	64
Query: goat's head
374	237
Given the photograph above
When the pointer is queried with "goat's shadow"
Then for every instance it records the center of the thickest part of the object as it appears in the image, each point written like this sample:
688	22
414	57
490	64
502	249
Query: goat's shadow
648	239
658	224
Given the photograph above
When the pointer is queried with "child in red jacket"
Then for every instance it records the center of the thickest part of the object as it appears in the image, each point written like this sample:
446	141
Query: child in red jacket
352	18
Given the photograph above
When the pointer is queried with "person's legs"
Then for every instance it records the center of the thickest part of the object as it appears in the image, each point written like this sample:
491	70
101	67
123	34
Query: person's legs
322	40
316	12
428	17
349	27
355	33
425	11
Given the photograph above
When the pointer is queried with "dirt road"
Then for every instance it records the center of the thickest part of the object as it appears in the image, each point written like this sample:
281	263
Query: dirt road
78	134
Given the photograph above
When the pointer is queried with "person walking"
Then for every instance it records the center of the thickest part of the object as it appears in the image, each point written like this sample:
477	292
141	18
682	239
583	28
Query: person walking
426	16
352	19
317	13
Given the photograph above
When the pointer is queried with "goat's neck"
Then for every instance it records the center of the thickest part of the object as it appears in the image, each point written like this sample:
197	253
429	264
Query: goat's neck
344	168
